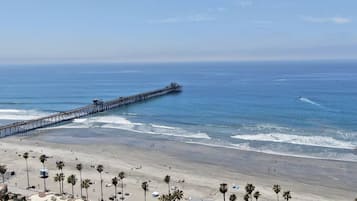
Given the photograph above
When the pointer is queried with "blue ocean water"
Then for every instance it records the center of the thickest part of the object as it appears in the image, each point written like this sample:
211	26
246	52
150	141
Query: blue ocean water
292	108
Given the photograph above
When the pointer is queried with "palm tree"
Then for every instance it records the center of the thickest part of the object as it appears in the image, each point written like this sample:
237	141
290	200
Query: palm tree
43	159
177	195
2	172
249	188
223	189
86	184
287	195
115	183
100	169
57	178
72	180
256	195
145	187
167	181
26	156
277	189
246	197
232	197
60	165
121	176
79	168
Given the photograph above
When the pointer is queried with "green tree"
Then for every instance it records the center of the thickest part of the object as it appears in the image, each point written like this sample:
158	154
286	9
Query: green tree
60	166
121	176
223	188
2	172
277	189
232	197
43	159
26	156
86	184
79	168
167	180
287	195
256	195
249	188
72	180
145	187
177	195
115	184
100	169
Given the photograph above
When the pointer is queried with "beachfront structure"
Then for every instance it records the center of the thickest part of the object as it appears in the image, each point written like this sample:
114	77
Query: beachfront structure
96	107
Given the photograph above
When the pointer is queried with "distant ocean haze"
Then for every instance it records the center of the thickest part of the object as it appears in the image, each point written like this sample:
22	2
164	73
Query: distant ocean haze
292	108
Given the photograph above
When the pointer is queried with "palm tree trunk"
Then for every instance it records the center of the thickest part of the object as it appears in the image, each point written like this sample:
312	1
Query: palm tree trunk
3	178
168	187
115	192
44	184
44	179
80	176
224	197
101	187
60	186
144	195
277	197
27	172
72	191
122	190
87	193
62	183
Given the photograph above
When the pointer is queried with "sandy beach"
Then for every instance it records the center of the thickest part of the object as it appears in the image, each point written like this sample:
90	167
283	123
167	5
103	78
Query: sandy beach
202	168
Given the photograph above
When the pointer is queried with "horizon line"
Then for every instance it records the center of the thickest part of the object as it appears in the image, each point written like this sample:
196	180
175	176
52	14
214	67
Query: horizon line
73	61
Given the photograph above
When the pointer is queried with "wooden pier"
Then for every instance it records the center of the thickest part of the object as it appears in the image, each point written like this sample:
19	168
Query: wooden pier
96	107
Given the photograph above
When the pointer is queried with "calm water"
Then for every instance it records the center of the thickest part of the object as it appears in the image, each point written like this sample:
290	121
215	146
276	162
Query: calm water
294	108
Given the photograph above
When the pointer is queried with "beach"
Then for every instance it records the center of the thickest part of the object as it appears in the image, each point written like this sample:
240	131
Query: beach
196	169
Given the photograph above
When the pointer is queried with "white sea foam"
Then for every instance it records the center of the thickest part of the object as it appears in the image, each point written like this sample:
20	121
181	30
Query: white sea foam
117	122
319	141
246	147
14	114
306	100
165	127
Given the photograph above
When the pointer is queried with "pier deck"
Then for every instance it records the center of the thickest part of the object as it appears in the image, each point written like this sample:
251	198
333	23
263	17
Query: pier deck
97	107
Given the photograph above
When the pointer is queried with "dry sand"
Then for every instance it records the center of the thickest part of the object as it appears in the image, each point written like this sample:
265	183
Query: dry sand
202	168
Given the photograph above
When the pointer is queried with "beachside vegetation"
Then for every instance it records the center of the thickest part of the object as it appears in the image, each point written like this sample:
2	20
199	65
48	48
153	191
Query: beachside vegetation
145	187
79	167
26	156
100	169
43	159
72	180
223	189
175	195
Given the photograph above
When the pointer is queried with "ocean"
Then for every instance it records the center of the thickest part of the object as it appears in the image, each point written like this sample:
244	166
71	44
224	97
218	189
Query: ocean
305	108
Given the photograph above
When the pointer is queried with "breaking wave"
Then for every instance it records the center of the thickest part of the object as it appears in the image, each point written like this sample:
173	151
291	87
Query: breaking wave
318	141
306	100
14	114
117	122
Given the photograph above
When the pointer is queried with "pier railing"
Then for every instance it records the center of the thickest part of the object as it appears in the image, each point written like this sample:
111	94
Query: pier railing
96	107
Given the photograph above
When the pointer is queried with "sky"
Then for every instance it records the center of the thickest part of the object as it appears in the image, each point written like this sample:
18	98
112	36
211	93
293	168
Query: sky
176	30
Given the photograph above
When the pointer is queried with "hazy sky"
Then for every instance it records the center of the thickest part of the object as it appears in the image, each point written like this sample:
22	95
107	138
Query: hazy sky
170	30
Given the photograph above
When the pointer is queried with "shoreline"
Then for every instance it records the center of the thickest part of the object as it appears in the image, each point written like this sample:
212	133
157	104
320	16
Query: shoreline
308	179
